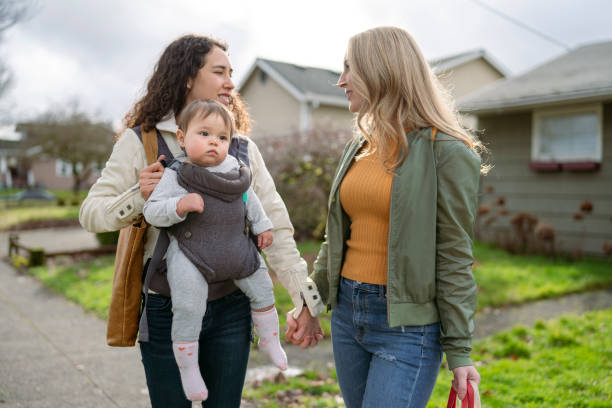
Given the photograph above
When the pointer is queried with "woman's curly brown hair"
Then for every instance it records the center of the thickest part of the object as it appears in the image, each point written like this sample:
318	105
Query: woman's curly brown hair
167	88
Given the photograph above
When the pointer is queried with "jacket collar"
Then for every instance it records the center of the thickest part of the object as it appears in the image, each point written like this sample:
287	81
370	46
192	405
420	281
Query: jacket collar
168	125
346	163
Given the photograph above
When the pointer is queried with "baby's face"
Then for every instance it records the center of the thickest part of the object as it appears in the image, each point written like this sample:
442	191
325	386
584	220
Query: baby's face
206	141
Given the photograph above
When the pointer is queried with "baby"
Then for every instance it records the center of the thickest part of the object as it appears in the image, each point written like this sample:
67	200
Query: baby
205	203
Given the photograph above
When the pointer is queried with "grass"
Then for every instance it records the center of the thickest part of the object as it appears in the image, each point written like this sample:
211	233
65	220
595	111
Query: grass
310	389
561	363
88	283
68	195
17	215
35	210
9	191
502	279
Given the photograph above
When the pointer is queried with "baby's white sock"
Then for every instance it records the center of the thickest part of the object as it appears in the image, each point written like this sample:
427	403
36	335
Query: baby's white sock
186	355
266	324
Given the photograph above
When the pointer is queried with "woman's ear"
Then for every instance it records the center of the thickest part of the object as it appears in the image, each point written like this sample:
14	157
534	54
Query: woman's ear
189	84
180	135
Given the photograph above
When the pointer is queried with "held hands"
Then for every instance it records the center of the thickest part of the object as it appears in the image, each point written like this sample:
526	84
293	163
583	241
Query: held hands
462	375
150	176
265	239
190	202
305	331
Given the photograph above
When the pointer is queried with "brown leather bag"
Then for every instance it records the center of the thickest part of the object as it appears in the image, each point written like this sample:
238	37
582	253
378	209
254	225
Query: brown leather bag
124	309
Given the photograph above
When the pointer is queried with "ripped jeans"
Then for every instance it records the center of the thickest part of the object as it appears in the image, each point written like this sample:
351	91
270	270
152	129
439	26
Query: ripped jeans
379	366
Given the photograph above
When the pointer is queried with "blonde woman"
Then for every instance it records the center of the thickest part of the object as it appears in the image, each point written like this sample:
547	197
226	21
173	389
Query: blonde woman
396	264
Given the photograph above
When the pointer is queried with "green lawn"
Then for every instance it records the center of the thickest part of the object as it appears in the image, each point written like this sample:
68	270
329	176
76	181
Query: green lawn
502	279
87	283
17	215
561	363
566	362
34	210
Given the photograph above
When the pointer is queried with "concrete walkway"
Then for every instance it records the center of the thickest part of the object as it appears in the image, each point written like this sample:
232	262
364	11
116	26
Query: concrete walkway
51	239
53	353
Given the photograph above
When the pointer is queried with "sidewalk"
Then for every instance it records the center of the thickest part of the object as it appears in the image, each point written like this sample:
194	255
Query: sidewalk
53	354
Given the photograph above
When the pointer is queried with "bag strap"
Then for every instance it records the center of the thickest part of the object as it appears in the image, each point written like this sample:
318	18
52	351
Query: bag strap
154	149
149	141
467	402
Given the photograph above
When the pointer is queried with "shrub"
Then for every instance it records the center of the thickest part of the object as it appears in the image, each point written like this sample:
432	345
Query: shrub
561	339
303	166
108	238
61	202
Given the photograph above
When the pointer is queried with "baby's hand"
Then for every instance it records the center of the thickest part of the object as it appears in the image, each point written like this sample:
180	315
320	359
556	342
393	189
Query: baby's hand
191	202
265	239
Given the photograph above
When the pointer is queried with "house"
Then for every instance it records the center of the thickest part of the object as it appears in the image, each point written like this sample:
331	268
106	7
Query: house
285	97
12	175
467	72
22	168
549	132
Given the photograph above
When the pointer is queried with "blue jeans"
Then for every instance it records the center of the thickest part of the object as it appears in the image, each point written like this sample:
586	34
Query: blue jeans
379	366
223	352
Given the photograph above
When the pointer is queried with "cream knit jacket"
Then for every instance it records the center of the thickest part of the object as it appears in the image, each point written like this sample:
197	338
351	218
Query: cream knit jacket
115	200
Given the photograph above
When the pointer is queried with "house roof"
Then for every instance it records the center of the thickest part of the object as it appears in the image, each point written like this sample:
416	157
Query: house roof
582	74
445	64
9	139
318	85
306	84
9	146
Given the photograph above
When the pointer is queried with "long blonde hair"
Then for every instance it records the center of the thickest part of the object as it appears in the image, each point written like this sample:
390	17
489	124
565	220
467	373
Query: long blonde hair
400	92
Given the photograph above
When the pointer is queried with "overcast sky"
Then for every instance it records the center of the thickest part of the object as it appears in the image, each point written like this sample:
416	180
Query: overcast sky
102	52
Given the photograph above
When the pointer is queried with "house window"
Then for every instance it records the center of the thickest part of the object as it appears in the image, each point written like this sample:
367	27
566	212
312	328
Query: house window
63	168
568	135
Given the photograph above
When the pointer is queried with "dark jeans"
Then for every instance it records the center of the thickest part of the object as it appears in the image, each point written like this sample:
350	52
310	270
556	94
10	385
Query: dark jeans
224	352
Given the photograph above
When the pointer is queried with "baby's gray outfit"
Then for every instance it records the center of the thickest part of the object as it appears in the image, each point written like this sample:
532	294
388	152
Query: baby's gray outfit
188	287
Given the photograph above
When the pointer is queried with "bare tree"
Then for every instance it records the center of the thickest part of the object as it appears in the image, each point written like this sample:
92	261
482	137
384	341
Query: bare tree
11	12
71	136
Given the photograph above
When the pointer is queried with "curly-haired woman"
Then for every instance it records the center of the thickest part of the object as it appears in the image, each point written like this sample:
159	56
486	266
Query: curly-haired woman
197	67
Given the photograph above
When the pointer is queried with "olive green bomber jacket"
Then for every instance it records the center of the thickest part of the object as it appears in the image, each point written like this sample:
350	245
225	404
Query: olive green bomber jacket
430	253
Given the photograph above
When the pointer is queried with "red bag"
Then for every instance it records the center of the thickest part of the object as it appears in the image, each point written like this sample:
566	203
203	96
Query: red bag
471	400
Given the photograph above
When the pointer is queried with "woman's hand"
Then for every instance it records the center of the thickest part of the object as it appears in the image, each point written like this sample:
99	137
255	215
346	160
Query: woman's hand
150	176
305	331
462	375
192	202
265	239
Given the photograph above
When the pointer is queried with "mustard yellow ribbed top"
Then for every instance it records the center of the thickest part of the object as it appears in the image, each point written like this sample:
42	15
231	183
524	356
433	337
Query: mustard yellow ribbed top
365	195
